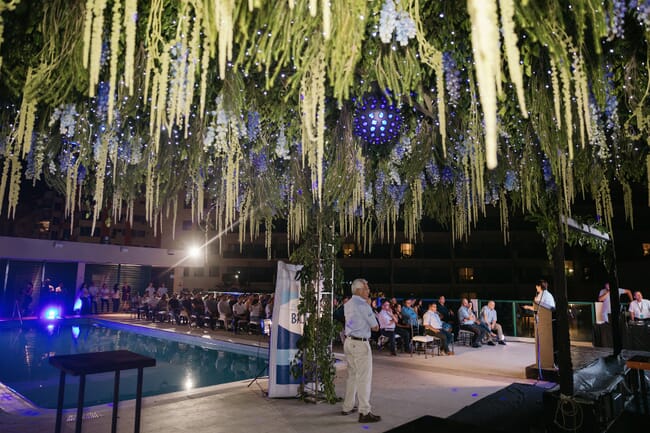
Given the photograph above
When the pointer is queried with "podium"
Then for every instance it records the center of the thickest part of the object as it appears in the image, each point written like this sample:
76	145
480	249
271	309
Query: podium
544	367
544	338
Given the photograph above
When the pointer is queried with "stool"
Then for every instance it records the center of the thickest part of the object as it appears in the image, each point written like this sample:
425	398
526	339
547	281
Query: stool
465	337
423	343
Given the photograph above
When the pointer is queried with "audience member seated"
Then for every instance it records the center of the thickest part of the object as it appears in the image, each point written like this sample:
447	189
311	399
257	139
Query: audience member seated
469	322
433	326
211	311
447	316
175	308
402	328
410	316
198	310
387	322
256	312
489	321
161	311
225	311
240	312
186	307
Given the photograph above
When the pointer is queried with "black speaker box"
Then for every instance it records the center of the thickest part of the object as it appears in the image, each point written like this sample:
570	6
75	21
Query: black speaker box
582	415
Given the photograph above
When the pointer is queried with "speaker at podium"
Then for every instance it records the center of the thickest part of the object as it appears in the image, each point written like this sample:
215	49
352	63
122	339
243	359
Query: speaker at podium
544	309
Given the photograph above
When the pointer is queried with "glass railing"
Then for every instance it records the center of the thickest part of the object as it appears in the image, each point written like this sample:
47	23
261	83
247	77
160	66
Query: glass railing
520	322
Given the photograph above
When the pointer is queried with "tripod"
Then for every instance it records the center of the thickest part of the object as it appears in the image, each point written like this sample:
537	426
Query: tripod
259	373
257	376
17	312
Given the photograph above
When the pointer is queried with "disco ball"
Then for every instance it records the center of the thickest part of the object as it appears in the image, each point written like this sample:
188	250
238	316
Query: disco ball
376	120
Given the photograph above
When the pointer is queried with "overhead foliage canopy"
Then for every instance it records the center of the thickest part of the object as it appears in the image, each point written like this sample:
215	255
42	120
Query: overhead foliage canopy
246	109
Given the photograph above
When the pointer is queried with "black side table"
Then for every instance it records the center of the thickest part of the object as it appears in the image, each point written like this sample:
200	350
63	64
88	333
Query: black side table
99	362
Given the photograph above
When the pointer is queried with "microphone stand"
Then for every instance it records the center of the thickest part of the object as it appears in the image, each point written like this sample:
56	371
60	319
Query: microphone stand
536	305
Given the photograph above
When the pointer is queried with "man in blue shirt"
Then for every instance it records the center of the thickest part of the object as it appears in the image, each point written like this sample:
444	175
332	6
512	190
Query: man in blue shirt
410	317
360	320
433	326
489	320
468	322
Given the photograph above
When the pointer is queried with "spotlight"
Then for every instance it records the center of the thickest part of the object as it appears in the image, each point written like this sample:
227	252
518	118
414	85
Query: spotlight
77	306
194	252
75	332
52	313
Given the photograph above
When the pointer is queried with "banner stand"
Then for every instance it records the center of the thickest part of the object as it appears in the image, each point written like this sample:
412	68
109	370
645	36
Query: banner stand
286	330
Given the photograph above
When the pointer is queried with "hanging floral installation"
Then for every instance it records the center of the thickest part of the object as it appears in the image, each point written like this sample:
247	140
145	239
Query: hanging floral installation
251	111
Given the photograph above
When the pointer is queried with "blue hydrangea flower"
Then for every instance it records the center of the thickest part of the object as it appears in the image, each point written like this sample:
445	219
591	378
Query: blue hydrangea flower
452	77
433	173
447	175
253	125
511	183
616	19
641	10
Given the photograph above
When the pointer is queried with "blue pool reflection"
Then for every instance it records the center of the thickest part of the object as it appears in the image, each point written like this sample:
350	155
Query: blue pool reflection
25	368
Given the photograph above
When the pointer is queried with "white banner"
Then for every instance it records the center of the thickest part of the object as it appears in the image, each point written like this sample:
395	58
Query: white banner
285	332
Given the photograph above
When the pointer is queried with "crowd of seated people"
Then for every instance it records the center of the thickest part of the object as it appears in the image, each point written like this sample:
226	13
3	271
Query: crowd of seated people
399	321
233	312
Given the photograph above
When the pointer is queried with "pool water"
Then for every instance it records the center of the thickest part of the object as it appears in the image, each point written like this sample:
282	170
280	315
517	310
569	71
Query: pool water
24	364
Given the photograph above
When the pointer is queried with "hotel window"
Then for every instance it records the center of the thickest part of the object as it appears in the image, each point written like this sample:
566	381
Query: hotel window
43	226
406	249
348	249
465	275
646	249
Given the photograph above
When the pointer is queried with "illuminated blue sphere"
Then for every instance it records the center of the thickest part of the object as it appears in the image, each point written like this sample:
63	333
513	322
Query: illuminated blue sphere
376	120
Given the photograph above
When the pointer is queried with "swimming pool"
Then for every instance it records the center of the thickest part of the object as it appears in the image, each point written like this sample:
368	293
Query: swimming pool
182	362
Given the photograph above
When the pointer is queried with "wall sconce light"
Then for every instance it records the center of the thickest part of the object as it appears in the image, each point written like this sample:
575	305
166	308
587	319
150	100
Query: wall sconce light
348	249
406	249
568	268
646	249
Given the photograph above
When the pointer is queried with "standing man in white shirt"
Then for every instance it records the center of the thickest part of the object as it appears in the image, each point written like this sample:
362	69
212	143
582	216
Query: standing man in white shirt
639	308
359	322
604	297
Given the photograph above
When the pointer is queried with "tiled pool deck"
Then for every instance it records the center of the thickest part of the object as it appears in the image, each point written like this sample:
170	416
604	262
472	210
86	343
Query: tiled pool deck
404	388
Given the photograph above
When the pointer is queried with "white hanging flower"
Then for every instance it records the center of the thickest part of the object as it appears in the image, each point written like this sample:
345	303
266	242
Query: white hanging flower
282	150
387	21
391	21
404	28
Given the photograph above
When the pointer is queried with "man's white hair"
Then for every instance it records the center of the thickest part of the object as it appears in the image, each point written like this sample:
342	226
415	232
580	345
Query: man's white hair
357	285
